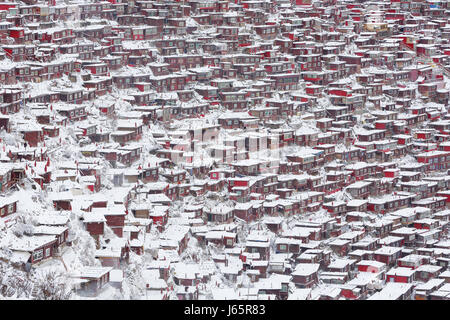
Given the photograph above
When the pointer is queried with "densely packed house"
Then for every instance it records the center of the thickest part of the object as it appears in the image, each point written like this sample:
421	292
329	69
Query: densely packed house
264	149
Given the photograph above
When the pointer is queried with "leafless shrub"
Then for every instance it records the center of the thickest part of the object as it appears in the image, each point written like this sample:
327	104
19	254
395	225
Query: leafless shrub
51	286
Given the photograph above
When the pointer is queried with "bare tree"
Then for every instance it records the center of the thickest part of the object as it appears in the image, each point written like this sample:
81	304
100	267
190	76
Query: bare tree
51	286
13	283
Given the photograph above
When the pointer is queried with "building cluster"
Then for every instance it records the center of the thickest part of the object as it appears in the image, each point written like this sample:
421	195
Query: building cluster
239	149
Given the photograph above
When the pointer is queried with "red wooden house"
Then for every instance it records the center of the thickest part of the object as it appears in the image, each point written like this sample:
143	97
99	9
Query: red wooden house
402	275
305	275
8	206
387	255
115	218
33	249
94	223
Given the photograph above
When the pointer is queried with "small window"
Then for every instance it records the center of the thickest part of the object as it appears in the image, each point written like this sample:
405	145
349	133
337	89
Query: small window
38	254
